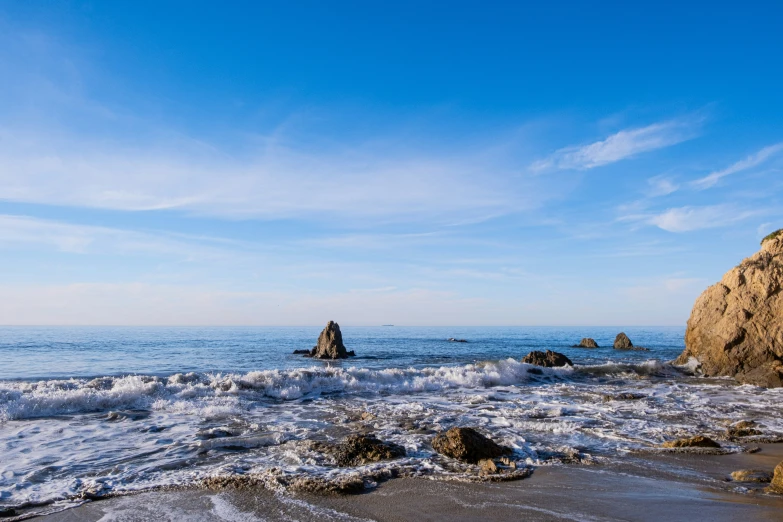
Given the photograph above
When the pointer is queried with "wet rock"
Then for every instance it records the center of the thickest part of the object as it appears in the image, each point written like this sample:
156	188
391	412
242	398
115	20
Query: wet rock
699	441
330	344
776	486
622	342
535	371
547	359
468	445
453	340
628	396
357	450
487	467
751	475
367	416
746	428
301	352
736	326
587	342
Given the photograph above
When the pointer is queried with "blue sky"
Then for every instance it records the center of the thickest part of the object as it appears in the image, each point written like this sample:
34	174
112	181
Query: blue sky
410	163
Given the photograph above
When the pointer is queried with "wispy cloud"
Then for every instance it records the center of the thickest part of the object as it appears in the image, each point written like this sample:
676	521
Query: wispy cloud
686	219
751	161
661	186
622	145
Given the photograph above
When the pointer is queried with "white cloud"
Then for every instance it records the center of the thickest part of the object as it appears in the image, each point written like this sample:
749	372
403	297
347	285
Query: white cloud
751	161
624	144
686	219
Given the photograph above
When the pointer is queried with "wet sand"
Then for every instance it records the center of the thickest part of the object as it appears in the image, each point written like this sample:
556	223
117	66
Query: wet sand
639	488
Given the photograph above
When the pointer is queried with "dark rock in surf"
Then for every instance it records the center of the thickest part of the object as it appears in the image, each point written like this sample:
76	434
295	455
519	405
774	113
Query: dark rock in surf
468	445
330	344
622	342
745	428
301	352
587	342
699	441
357	450
547	359
453	340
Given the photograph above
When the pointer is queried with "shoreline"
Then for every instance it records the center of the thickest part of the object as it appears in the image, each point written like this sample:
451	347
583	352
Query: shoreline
666	486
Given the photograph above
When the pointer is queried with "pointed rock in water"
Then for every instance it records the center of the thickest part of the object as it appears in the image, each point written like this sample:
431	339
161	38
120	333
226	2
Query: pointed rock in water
622	342
547	359
736	325
330	344
467	444
587	342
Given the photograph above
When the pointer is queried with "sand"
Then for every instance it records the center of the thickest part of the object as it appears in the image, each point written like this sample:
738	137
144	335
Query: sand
646	487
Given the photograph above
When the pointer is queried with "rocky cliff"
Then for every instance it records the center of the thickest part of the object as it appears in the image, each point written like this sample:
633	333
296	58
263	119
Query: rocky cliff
736	326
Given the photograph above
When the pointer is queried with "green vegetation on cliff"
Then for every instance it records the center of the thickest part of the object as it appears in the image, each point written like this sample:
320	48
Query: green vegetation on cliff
772	235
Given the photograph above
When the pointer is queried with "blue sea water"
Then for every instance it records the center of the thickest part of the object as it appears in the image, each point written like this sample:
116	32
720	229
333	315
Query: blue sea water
65	352
98	411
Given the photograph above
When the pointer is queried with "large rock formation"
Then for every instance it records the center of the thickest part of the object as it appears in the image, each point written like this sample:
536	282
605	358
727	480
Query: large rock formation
586	342
547	359
330	344
467	444
736	326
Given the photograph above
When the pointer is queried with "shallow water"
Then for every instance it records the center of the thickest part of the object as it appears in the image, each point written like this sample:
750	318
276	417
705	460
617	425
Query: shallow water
119	409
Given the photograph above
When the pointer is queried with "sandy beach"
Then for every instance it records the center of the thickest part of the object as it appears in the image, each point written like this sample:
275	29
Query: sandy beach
671	487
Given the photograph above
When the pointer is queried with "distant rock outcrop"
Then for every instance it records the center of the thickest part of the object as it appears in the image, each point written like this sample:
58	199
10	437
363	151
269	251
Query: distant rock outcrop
587	342
547	359
467	444
622	342
330	344
736	326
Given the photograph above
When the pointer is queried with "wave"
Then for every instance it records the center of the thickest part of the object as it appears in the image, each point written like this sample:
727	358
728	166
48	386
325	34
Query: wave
222	393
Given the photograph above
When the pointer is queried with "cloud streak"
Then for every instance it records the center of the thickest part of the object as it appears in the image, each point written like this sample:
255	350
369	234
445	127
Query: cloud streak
619	146
686	219
754	160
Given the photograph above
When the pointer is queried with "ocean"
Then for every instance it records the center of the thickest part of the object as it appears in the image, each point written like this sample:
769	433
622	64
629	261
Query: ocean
95	411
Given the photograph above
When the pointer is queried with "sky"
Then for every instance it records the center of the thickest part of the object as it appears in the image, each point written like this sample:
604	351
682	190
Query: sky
410	163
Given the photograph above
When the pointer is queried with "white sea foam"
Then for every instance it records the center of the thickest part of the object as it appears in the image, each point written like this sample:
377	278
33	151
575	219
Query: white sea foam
135	432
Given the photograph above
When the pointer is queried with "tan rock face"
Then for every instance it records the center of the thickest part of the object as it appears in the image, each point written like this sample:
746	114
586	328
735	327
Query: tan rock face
736	326
777	480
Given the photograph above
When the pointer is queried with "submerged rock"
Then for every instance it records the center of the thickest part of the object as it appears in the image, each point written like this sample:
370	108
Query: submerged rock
751	475
699	441
622	342
468	445
547	359
744	428
453	340
587	342
301	352
777	480
736	326
330	344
